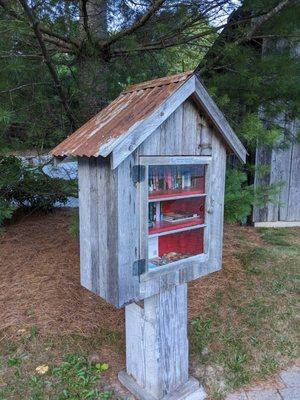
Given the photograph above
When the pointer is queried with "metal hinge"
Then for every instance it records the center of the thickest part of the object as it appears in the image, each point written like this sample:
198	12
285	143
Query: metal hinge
138	173
139	267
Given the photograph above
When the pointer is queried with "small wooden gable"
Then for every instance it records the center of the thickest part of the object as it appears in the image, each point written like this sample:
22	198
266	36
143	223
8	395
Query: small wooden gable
121	127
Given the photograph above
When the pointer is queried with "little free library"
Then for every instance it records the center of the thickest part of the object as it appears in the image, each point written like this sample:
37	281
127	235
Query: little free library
151	170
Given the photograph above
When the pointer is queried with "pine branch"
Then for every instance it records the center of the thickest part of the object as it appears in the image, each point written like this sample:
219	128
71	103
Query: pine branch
263	19
51	37
258	23
35	27
23	86
166	42
138	24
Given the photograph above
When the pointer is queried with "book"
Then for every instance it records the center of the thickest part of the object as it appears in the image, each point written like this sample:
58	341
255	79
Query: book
179	216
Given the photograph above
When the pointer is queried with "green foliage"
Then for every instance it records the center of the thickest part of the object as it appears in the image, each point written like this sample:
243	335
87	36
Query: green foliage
243	82
238	196
71	378
252	132
200	332
29	187
78	378
241	197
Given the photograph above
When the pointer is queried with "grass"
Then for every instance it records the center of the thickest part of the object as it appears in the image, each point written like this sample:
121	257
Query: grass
56	368
247	331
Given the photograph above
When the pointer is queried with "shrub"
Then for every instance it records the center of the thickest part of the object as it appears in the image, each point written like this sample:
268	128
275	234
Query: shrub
241	197
29	187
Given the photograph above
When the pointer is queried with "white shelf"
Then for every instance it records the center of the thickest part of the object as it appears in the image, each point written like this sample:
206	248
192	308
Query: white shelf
165	198
171	231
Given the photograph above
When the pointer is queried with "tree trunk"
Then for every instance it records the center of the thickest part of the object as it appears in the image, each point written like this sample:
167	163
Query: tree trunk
93	63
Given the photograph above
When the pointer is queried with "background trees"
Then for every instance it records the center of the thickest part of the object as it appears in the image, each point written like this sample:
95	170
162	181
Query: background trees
61	61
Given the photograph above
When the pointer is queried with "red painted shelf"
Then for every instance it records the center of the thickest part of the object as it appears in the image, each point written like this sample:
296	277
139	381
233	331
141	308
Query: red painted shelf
165	226
169	194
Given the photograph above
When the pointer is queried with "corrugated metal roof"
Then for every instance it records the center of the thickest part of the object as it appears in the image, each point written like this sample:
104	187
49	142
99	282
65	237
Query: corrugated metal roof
133	105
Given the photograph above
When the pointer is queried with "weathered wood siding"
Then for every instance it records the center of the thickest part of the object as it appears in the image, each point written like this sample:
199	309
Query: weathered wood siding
184	133
110	210
284	167
157	343
98	217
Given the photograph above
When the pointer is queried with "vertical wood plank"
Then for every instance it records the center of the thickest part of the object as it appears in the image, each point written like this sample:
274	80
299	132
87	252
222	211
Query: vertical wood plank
263	157
160	365
190	130
128	213
136	360
181	134
98	228
217	188
294	189
84	222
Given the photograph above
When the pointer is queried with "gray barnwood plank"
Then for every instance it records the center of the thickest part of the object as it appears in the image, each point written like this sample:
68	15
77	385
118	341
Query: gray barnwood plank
84	222
108	187
135	343
180	134
170	140
98	228
206	133
280	172
190	129
160	365
128	214
94	226
263	158
294	190
217	190
102	207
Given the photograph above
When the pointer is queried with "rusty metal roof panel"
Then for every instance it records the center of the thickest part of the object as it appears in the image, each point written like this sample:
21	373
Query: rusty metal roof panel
107	127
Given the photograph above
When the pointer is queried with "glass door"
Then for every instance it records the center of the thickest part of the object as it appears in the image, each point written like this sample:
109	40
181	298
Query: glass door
175	197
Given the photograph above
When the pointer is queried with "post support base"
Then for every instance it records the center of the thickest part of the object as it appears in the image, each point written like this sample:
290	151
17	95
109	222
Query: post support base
191	390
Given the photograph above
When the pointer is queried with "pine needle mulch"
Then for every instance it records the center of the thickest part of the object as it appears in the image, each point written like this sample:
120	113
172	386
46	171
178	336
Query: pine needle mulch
40	282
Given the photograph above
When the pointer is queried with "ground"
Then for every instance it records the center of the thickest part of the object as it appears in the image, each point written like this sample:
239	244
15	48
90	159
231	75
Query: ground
59	341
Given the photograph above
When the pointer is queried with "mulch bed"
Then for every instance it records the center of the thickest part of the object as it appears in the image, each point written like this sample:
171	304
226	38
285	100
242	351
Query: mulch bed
39	285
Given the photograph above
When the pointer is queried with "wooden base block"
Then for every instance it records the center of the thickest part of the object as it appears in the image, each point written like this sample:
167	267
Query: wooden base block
191	390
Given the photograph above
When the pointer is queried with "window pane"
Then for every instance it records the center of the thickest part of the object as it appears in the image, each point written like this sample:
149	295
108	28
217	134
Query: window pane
176	210
174	247
176	179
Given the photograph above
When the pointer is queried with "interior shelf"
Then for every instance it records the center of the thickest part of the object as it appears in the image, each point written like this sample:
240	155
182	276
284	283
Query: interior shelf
161	195
165	228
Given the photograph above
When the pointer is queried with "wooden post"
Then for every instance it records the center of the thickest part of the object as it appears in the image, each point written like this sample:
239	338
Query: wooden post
157	348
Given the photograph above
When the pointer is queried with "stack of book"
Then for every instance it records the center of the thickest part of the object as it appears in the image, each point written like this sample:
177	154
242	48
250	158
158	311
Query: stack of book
172	178
179	216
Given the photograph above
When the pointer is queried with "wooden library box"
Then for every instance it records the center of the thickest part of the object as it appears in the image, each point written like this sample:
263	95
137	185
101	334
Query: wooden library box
151	189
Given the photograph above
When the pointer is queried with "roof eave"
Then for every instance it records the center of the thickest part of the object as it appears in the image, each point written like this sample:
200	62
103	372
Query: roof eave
192	87
136	136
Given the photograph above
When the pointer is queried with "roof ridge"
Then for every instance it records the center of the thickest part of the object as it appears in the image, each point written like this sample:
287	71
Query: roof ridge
166	80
